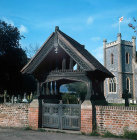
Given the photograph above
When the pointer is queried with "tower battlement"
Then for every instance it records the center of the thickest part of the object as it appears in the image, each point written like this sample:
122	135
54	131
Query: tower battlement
120	59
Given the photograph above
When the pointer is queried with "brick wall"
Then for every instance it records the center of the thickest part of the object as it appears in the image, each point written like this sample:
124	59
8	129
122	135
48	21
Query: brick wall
33	117
14	115
108	118
116	119
86	120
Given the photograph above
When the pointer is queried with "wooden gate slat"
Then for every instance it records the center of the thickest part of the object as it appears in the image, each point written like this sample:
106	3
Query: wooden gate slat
61	116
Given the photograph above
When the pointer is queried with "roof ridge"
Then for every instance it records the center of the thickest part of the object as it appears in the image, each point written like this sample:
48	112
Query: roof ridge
70	38
32	59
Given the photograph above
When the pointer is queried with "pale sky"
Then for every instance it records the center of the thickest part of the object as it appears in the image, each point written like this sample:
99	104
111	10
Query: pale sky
87	21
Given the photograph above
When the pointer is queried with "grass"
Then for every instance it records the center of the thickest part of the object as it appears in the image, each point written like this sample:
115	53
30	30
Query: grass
130	134
127	135
27	128
110	135
41	130
114	104
94	133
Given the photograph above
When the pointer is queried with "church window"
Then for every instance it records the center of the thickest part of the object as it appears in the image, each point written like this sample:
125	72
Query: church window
112	58
112	85
128	84
127	58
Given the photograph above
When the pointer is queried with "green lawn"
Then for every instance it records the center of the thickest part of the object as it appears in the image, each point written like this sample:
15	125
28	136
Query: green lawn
114	104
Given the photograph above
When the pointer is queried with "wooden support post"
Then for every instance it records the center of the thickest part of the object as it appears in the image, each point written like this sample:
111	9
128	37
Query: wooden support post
64	64
78	67
49	88
89	90
71	64
43	89
38	89
57	88
53	88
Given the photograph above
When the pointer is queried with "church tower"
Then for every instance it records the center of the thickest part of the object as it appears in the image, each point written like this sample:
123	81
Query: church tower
120	59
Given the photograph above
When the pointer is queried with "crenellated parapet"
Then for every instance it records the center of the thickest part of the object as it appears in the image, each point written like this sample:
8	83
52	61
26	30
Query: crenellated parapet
123	42
120	58
112	44
127	43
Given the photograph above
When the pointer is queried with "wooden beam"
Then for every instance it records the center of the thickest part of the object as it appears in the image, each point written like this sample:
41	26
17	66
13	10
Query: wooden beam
78	67
71	63
53	88
64	64
89	90
38	89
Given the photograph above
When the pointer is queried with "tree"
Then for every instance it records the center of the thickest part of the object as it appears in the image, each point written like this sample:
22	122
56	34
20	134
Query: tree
79	88
12	59
9	37
134	25
31	50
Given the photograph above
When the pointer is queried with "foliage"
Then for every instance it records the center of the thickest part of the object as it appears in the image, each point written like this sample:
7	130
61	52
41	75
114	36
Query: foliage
132	26
31	50
12	59
9	36
28	128
94	133
110	135
127	134
130	134
116	104
79	88
69	98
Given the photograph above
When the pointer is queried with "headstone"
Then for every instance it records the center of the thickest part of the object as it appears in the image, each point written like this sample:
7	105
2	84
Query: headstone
126	95
12	99
19	98
5	95
24	99
15	100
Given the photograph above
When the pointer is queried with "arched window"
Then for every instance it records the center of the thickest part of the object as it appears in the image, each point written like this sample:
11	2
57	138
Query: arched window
128	84
127	58
112	85
112	58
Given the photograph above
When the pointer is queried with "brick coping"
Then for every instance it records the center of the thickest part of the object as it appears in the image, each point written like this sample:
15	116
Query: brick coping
117	107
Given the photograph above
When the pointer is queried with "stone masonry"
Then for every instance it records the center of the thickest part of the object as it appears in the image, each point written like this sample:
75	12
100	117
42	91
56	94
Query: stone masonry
121	69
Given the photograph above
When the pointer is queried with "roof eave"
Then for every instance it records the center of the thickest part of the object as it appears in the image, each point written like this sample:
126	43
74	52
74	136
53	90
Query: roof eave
24	69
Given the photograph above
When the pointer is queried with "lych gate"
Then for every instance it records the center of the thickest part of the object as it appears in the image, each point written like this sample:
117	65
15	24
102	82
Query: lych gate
53	66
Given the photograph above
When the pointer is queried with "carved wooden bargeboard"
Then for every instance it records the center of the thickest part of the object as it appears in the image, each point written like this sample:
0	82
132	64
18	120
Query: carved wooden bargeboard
62	60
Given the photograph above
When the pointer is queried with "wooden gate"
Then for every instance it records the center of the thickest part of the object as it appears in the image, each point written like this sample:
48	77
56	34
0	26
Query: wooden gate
61	116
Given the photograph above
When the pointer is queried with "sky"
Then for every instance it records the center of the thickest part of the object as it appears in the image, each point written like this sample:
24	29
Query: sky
87	21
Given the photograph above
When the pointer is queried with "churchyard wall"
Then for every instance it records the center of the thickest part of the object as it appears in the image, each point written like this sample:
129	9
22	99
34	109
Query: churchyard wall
114	119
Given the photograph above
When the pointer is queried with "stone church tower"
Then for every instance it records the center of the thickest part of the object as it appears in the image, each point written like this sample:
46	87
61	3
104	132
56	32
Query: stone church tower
120	59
